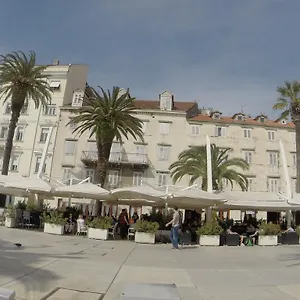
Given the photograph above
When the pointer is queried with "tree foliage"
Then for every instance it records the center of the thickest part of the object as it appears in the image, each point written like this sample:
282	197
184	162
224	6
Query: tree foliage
193	163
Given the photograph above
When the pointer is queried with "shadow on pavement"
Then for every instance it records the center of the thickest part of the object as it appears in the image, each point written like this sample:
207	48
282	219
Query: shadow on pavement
20	267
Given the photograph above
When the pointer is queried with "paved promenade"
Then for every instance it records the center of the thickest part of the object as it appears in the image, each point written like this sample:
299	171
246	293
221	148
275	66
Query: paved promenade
63	267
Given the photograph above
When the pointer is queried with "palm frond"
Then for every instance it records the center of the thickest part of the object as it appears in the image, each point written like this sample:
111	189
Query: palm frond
192	162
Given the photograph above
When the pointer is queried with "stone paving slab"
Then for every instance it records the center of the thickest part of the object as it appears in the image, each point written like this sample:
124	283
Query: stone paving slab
46	262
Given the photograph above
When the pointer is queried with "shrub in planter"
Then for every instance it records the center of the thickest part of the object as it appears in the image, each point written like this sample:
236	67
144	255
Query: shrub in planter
98	228
268	233
54	222
10	216
145	232
209	233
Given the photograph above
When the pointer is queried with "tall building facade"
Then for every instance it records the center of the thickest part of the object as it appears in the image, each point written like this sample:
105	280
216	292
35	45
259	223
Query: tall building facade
34	124
170	127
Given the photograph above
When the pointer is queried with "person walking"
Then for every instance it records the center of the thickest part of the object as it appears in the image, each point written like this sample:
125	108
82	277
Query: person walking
175	222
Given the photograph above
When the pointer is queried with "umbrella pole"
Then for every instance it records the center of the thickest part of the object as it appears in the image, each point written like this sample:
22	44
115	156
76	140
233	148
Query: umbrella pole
209	176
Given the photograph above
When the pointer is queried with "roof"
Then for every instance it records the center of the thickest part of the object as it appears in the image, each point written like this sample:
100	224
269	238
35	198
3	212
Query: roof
153	104
248	121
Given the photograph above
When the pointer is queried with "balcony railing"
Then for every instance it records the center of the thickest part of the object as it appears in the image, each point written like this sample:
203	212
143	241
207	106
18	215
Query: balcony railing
118	157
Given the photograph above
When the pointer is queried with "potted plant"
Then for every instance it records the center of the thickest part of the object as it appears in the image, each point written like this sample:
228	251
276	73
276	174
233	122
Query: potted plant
10	216
209	233
54	222
268	233
98	228
145	232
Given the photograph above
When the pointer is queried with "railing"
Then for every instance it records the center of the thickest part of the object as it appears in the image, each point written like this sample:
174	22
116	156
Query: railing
118	157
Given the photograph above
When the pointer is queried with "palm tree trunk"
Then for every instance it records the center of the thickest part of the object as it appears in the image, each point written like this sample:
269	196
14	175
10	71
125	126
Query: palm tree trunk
297	127
9	140
103	159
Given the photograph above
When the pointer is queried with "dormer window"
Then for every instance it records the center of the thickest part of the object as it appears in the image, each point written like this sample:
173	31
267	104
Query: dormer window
261	119
283	121
166	101
77	98
216	115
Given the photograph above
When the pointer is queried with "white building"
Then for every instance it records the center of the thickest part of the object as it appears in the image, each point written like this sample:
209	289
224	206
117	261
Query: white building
169	128
34	124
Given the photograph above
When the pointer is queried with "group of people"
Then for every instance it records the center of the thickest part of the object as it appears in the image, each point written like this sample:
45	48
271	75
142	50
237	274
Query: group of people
123	222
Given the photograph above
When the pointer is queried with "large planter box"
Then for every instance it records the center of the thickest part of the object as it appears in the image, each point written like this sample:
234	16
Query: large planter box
267	240
54	229
209	240
10	222
97	234
144	238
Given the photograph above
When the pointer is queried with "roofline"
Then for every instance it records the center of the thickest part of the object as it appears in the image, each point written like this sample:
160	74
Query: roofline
241	123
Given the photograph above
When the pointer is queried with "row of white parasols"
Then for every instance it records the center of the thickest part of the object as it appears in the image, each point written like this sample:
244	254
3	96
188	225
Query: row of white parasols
187	198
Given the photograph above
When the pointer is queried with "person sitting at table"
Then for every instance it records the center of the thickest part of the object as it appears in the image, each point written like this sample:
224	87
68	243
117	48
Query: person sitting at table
229	231
290	229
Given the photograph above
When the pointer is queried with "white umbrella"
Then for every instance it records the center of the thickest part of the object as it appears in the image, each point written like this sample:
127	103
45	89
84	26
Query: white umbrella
194	198
83	190
142	194
30	184
256	200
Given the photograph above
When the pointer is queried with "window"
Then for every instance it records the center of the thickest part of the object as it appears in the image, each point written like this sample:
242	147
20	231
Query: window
293	137
19	136
90	173
24	109
195	130
77	99
44	134
92	146
37	165
3	132
165	102
55	85
216	116
14	162
220	131
273	185
113	178
140	153
247	133
67	173
294	156
248	156
50	110
273	159
240	118
162	179
8	108
164	128
225	183
145	127
72	125
271	135
262	119
137	178
163	152
70	147
115	152
250	184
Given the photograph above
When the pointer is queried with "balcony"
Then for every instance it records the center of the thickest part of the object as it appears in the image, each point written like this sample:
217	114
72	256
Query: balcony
118	158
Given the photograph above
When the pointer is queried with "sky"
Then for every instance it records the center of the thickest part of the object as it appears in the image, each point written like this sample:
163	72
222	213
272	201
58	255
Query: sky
230	55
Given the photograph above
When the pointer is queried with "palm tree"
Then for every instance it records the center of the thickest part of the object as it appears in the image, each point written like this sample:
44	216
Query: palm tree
21	81
193	162
289	103
107	116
